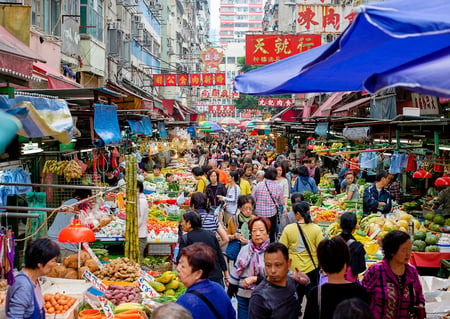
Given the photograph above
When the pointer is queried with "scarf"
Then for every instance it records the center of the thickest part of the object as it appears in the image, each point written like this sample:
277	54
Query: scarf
243	221
252	259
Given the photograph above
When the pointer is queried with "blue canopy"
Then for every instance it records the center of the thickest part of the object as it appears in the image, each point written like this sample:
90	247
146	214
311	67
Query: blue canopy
143	126
106	124
383	37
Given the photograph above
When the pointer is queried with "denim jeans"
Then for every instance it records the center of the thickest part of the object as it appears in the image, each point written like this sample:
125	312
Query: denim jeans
243	304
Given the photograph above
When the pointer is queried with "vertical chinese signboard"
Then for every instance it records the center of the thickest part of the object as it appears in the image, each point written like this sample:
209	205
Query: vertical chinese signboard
323	18
268	48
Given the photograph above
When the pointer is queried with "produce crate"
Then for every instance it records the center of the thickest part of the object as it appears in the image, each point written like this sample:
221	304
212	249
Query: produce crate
159	249
71	313
162	268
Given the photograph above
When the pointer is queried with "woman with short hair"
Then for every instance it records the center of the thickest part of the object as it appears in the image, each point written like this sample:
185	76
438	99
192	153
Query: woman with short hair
203	298
393	285
24	298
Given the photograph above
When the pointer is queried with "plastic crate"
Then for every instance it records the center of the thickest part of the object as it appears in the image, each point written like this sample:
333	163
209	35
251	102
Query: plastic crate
159	249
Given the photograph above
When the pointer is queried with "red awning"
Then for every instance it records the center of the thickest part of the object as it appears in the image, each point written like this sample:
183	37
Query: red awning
55	79
11	45
351	105
324	109
168	106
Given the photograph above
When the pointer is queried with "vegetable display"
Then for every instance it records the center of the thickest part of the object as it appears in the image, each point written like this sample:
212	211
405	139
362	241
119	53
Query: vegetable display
122	294
57	303
120	269
69	268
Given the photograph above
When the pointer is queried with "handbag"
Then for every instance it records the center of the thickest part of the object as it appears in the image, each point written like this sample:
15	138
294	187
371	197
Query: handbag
315	274
415	312
274	202
234	246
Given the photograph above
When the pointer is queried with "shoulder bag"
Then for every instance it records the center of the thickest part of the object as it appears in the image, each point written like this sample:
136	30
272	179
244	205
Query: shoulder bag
207	302
414	312
274	202
314	275
234	246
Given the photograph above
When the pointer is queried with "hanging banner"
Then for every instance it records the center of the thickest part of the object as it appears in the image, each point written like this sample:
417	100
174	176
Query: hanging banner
275	102
323	19
205	79
216	93
221	108
269	48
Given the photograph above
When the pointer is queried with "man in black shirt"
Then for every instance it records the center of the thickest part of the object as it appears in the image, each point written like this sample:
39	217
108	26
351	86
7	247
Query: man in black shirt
277	296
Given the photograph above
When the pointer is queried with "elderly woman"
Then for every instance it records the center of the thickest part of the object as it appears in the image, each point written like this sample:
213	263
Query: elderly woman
203	298
191	223
24	298
393	285
249	264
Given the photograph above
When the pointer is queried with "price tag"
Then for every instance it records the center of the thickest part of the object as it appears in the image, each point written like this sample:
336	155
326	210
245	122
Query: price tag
94	281
106	308
146	288
92	254
146	275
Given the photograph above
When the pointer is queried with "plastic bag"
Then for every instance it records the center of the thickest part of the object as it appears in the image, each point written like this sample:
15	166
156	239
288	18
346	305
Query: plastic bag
181	199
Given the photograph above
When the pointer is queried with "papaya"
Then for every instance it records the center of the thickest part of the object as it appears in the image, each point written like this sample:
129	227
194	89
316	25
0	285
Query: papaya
169	292
159	287
165	277
173	284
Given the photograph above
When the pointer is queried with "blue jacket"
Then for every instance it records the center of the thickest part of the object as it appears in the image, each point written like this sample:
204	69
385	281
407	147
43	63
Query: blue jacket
215	294
372	198
303	183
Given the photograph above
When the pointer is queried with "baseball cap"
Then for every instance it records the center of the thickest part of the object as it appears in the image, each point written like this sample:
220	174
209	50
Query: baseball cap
122	165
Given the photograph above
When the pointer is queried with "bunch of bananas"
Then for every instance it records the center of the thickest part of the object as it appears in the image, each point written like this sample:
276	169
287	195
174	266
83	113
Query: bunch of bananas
72	170
52	166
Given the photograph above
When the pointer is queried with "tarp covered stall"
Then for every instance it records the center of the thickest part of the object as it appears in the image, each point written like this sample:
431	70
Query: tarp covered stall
40	116
143	126
106	124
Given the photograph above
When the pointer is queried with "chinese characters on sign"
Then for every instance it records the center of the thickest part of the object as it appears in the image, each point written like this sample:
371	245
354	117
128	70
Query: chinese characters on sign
427	104
221	110
211	59
205	79
275	102
323	18
268	48
216	93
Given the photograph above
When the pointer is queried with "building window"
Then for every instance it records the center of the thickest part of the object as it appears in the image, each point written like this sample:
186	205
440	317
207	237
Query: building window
50	11
91	12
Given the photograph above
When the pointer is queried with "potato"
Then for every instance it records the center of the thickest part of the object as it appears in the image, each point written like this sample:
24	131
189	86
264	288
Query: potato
71	274
71	261
91	264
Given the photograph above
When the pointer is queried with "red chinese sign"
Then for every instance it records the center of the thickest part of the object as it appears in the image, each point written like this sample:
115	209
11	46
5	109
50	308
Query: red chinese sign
275	102
211	59
216	93
268	48
221	110
323	18
205	79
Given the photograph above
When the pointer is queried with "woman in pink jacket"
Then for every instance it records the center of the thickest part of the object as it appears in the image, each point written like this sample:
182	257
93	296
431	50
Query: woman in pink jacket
393	285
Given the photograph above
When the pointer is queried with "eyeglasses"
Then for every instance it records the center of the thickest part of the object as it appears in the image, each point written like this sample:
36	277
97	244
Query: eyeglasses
247	209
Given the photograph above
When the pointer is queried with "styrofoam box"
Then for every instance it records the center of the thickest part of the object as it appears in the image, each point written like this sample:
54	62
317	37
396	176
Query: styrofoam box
444	248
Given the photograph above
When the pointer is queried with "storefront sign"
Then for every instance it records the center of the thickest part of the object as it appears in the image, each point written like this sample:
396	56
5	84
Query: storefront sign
217	93
211	59
427	104
221	108
198	79
275	102
268	48
323	18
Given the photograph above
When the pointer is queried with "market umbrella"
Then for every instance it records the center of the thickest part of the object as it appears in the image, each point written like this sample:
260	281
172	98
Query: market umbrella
243	124
383	38
209	126
229	121
254	123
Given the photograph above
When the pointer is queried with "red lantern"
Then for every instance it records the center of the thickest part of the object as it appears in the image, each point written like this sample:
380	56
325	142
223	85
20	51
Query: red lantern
442	181
421	173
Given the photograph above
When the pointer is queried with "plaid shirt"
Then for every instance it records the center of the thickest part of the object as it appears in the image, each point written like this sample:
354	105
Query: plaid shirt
394	191
264	203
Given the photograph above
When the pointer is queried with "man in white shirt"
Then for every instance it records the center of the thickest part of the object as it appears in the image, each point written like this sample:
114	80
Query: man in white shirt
142	207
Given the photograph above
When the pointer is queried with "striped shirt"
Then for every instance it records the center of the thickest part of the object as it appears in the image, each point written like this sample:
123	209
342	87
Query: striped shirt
209	221
265	206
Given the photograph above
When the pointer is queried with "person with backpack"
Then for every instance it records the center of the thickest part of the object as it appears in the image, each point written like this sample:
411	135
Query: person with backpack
304	182
357	253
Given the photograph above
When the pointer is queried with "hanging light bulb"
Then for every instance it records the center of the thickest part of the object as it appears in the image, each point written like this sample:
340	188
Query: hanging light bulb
421	173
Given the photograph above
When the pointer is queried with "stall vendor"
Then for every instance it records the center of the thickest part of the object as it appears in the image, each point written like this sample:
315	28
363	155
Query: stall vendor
173	185
443	201
156	177
376	197
119	172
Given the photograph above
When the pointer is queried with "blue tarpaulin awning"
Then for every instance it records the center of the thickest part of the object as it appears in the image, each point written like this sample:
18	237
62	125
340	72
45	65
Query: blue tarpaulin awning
392	43
106	124
40	117
143	126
